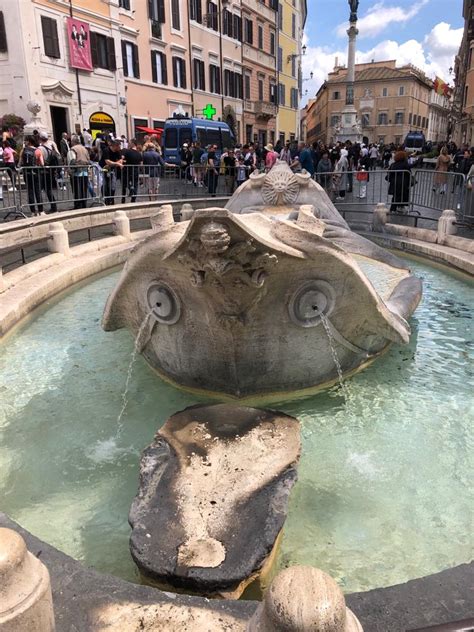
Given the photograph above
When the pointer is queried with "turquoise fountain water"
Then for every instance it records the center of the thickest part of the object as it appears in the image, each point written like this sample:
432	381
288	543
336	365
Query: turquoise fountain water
384	491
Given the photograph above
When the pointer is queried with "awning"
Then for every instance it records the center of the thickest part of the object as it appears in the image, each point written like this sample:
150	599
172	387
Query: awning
150	130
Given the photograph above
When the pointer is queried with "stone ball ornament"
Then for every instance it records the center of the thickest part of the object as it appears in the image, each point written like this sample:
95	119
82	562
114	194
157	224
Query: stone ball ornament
34	107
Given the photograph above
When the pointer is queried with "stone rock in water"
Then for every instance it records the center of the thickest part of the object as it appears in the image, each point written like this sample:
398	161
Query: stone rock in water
213	497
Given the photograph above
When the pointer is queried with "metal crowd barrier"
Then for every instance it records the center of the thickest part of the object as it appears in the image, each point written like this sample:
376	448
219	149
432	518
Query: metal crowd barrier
9	192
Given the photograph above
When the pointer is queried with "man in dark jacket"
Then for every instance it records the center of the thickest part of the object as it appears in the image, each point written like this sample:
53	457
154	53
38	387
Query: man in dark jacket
399	178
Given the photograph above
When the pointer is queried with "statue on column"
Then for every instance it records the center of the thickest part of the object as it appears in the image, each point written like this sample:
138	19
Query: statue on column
354	5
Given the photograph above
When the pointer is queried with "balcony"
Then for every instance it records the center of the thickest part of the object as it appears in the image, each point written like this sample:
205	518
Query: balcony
265	110
258	57
262	9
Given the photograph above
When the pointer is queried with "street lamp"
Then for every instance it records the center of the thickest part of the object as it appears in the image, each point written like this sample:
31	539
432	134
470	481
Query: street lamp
296	55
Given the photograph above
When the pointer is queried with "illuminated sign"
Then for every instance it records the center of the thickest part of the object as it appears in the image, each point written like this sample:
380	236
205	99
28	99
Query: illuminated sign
209	111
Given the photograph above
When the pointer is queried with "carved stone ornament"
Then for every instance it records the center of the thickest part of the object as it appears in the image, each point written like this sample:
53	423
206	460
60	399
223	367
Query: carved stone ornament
212	255
280	186
34	107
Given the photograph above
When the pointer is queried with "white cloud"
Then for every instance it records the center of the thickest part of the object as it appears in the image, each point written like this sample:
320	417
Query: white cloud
379	17
434	55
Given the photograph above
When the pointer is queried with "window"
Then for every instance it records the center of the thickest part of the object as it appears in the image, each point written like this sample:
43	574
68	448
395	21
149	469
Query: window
293	26
280	16
273	92
260	37
335	120
102	51
175	15
212	16
3	35
385	92
281	94
238	28
383	118
228	23
260	89
247	86
50	37
179	72
293	66
409	118
199	75
465	95
124	4
336	95
158	67
280	58
294	98
401	91
272	43
365	120
398	118
382	140
232	84
248	133
214	79
156	30
171	137
470	58
131	66
156	11
419	118
248	31
195	10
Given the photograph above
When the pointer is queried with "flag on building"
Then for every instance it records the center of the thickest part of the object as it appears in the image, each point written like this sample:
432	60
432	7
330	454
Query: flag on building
441	87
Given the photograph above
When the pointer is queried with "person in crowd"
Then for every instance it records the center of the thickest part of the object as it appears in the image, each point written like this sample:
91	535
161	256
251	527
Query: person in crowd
271	156
285	153
31	157
334	155
440	180
96	179
340	177
241	171
123	141
8	156
386	155
306	158
87	137
197	167
212	171
374	156
229	171
111	162
64	147
250	158
79	172
323	171
131	160
51	158
399	179
152	163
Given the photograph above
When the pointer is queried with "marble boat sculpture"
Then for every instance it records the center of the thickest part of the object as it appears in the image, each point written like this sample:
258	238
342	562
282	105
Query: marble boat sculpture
243	300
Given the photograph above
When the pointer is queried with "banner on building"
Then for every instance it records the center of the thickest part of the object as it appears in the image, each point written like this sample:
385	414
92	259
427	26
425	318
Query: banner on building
79	44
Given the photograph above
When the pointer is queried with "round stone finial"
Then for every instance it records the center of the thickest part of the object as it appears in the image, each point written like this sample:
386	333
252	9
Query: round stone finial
304	598
12	554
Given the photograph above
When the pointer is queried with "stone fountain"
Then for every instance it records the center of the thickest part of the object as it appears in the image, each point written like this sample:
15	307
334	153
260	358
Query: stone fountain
259	297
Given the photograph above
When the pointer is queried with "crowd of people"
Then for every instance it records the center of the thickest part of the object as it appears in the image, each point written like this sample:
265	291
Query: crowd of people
125	164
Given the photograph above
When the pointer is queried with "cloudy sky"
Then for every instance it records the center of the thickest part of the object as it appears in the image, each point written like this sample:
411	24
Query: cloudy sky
426	33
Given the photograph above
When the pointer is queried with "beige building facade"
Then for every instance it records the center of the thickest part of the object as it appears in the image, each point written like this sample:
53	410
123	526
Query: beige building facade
390	102
462	113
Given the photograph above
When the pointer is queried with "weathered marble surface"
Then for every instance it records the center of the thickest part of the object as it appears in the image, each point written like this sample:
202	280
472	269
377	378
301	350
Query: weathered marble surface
213	496
235	302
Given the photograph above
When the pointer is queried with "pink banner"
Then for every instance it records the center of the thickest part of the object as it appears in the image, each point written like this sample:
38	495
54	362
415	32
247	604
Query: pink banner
79	44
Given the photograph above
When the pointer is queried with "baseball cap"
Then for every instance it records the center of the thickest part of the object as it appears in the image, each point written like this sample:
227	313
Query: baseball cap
43	136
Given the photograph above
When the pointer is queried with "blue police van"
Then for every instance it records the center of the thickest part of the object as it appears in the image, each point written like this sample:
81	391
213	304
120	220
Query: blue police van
180	130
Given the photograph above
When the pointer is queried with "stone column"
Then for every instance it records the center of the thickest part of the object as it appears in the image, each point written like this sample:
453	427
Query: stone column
163	219
26	603
58	239
122	224
379	218
303	599
351	53
446	225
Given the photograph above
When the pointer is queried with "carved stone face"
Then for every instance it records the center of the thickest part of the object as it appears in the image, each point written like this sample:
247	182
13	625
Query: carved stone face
280	186
215	238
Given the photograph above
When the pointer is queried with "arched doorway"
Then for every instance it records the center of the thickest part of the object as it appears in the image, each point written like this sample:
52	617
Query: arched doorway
101	122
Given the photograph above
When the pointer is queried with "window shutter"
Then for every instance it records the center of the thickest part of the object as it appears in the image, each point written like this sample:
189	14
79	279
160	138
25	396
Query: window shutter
175	17
111	61
164	69
136	63
161	11
3	35
202	75
152	10
183	73
94	53
198	11
124	59
50	37
154	74
250	23
174	63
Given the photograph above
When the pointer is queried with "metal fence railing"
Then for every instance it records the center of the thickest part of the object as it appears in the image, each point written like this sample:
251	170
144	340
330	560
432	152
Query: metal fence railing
419	195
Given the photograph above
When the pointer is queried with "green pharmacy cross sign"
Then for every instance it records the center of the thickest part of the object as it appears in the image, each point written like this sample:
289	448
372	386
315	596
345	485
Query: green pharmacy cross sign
209	111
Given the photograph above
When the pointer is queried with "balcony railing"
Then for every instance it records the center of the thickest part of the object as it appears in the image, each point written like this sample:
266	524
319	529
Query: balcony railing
263	109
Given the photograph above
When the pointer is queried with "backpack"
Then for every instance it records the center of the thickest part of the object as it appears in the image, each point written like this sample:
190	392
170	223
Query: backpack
28	159
52	158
